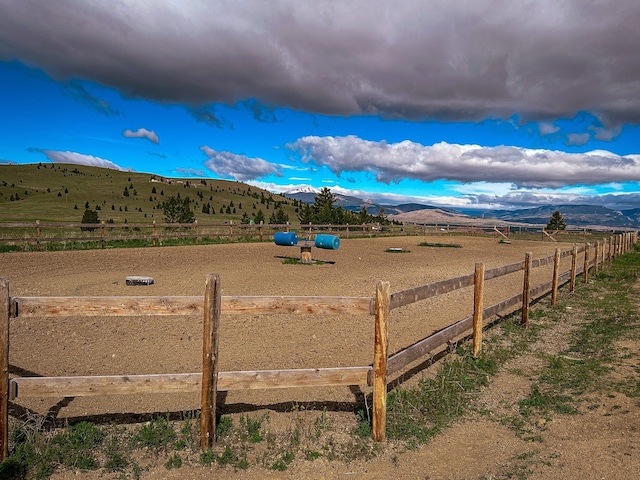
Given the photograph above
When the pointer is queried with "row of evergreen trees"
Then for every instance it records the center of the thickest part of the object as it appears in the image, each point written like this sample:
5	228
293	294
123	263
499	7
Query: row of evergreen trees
322	212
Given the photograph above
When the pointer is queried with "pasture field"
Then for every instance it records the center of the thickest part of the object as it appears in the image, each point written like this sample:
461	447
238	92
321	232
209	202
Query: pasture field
109	346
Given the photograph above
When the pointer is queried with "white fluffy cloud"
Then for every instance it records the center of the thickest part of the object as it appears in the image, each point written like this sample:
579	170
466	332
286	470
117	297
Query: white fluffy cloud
466	163
76	158
238	167
443	59
142	133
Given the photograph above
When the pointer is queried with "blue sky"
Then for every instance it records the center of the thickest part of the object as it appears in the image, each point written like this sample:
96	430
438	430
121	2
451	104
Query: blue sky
483	104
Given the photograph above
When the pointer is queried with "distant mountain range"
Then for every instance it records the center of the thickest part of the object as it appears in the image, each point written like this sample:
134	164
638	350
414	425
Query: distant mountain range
577	216
574	215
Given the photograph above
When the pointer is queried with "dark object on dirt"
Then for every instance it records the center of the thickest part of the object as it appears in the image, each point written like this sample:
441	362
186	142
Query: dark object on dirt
136	280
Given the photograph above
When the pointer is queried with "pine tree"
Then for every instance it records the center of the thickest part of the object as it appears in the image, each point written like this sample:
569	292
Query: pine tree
259	217
90	216
279	217
556	222
178	211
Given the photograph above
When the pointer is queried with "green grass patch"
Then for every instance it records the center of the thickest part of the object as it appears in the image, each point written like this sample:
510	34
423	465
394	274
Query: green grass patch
608	306
156	434
439	245
297	261
423	411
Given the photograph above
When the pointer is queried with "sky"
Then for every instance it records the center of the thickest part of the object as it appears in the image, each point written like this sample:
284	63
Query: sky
486	104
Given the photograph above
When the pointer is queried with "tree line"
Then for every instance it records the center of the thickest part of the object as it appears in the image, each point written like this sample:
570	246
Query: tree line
322	211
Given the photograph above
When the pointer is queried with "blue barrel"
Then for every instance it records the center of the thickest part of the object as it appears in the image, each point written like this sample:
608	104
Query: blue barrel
285	238
330	242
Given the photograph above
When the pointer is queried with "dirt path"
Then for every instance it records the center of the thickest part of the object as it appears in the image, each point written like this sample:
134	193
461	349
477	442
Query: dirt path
595	444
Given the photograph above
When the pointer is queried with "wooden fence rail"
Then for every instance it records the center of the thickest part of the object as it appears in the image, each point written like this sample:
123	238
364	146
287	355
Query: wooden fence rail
212	305
36	233
33	233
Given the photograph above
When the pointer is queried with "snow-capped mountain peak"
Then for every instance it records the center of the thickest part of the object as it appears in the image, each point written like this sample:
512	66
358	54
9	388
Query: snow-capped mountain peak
302	189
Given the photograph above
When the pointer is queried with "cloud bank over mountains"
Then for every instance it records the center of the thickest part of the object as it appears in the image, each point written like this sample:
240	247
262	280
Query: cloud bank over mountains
466	163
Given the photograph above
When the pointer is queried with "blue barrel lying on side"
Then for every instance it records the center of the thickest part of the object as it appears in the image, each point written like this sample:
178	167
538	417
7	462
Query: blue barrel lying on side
330	242
286	238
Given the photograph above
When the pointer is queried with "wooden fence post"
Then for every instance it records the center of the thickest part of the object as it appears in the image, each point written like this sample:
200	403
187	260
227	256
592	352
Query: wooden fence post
478	307
102	234
620	244
230	231
612	253
38	235
382	308
585	273
574	262
619	249
596	257
4	368
526	289
155	234
261	230
195	230
212	310
626	242
556	273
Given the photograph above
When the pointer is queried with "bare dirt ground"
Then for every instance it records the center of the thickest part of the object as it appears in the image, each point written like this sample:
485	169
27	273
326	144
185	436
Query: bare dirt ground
595	444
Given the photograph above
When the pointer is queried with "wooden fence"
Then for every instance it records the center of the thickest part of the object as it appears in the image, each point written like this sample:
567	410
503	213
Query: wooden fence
35	234
209	381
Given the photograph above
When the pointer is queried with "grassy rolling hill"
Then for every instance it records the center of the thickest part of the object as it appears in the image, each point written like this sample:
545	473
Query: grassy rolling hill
60	193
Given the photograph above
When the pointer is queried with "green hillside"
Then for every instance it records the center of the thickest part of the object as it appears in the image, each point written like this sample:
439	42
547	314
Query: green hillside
60	193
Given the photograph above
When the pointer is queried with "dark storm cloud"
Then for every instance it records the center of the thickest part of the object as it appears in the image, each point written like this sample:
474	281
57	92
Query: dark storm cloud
208	115
444	59
262	113
75	90
392	162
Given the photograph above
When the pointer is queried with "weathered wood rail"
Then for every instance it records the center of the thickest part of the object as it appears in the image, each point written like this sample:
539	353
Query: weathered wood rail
38	233
212	305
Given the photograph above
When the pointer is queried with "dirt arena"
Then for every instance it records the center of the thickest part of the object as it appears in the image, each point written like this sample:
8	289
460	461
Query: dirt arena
108	346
